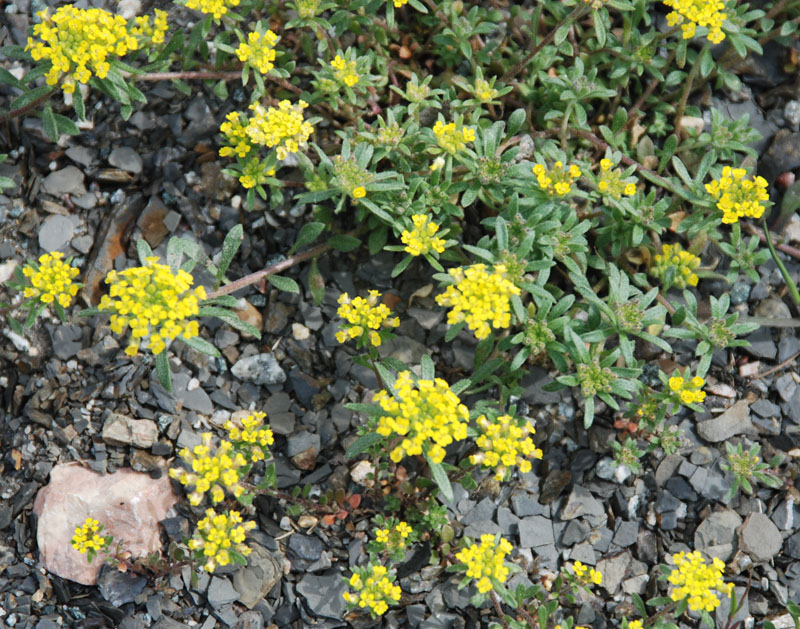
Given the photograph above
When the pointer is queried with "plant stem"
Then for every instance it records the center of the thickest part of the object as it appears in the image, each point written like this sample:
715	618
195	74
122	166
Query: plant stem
787	249
574	15
688	90
498	609
288	263
781	266
21	111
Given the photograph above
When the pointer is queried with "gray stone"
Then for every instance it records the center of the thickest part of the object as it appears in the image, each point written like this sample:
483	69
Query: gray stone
524	504
532	385
255	581
626	533
121	430
405	349
759	537
791	409
127	159
68	180
574	533
56	231
613	570
302	441
581	503
260	369
66	340
761	343
792	546
119	588
324	594
482	512
787	347
786	387
765	408
250	620
196	399
307	547
221	592
507	521
583	553
81	155
710	484
535	530
734	421
717	533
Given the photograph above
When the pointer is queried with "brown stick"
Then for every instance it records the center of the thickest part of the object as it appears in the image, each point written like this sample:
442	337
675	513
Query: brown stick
20	111
787	249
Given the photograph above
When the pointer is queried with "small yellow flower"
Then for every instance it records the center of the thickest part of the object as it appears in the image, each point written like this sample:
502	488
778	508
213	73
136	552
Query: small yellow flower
684	263
214	470
688	390
215	8
586	575
738	197
696	581
374	588
87	537
399	3
217	535
426	414
154	302
281	127
610	182
52	280
557	181
693	13
480	297
504	444
259	51
422	239
451	138
360	192
345	70
364	317
250	435
487	561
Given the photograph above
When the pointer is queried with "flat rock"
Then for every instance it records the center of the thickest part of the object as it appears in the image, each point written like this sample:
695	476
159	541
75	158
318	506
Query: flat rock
613	570
221	592
75	493
195	399
581	502
68	180
56	231
716	534
125	158
759	537
121	430
324	594
260	369
734	421
535	530
254	581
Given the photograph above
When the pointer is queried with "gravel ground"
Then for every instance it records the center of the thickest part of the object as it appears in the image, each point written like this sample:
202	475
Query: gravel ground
94	195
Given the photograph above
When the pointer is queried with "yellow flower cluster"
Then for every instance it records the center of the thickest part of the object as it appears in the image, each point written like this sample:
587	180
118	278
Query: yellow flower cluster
215	8
587	575
364	316
428	415
689	390
486	562
395	536
259	51
374	590
479	297
52	280
152	301
212	468
736	196
219	534
78	42
345	71
696	579
87	537
399	3
282	127
693	13
252	434
635	624
610	181
504	444
684	262
154	32
422	239
451	138
557	181
484	91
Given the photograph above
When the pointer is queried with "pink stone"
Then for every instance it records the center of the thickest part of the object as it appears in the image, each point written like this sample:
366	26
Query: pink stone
129	504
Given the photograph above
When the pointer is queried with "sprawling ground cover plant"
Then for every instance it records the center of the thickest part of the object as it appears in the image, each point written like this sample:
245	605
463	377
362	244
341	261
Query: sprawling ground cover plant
536	156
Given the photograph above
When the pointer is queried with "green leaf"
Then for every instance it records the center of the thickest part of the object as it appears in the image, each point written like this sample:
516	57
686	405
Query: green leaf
286	284
515	121
502	233
65	125
28	97
561	34
163	372
233	239
316	283
49	123
427	370
680	169
143	250
362	444
440	478
308	234
230	318
78	105
9	79
343	242
201	345
401	266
